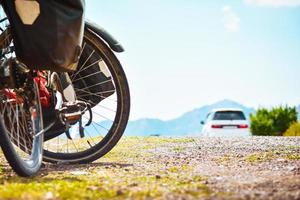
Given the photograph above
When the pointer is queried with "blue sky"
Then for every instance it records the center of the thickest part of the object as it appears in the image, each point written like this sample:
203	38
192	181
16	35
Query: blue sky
182	54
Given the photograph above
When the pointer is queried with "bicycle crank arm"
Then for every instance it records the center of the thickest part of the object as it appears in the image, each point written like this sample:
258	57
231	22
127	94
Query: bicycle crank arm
45	129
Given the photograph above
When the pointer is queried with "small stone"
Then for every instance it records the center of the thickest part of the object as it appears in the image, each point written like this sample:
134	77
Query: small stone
78	173
292	168
92	188
281	160
133	185
120	192
257	194
157	176
274	191
49	195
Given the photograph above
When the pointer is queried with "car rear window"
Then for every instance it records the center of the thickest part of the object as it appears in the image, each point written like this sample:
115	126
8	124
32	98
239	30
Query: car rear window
229	115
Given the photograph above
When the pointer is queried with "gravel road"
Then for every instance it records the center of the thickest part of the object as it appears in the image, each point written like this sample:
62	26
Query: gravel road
241	168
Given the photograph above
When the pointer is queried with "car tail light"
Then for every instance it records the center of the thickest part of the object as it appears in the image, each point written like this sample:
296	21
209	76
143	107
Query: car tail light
243	126
216	126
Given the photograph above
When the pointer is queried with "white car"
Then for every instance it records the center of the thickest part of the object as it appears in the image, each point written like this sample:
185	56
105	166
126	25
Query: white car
226	122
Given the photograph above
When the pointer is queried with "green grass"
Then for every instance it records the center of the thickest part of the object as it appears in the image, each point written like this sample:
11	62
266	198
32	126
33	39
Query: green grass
179	149
224	159
293	156
259	157
267	156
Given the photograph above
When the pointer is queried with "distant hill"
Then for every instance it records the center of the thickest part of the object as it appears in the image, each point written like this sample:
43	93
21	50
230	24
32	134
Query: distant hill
186	124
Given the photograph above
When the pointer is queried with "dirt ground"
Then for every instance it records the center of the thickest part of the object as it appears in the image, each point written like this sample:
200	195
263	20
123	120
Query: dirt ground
171	168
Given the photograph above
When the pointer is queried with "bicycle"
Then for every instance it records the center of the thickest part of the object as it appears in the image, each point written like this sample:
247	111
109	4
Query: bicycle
74	132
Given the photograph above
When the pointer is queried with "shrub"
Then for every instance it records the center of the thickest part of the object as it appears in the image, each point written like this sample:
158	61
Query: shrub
273	122
261	123
294	130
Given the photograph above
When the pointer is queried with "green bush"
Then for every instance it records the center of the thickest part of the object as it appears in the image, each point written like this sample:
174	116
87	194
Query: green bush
273	122
294	130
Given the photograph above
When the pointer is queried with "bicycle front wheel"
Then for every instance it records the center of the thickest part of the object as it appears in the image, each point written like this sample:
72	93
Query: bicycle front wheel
21	120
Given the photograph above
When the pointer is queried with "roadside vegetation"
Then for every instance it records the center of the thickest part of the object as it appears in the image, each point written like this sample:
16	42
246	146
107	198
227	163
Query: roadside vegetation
275	122
294	130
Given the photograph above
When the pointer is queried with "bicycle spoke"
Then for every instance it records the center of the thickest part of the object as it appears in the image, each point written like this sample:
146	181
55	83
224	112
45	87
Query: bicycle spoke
92	74
106	108
97	84
106	98
100	115
83	65
94	143
96	129
98	125
74	145
101	126
93	94
87	67
83	47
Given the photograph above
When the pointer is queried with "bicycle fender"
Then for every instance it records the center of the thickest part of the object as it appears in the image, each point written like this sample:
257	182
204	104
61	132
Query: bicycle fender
103	34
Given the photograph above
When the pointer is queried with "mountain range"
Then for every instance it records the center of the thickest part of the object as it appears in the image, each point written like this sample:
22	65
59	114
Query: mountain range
185	125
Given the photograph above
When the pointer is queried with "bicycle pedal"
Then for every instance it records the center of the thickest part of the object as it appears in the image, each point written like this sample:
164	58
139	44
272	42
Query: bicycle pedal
72	118
70	113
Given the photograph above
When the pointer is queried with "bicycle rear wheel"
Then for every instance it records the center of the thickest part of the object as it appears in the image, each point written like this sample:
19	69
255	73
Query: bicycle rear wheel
110	106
